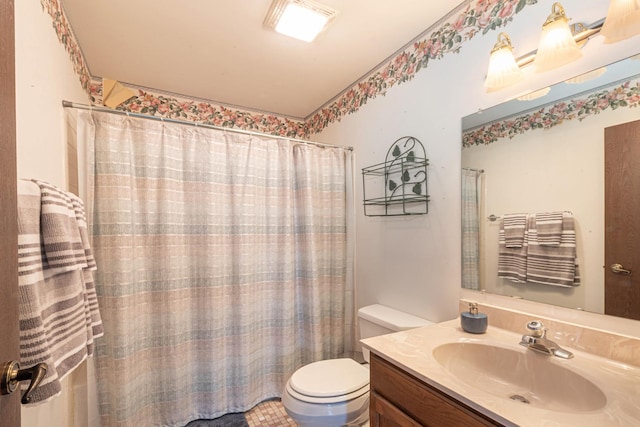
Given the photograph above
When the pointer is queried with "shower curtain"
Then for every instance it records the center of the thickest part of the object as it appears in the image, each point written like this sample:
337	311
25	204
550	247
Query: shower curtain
471	195
222	265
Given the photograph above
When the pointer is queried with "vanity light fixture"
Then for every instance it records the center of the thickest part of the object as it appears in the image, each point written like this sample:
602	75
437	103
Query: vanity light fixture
623	20
557	46
300	19
561	43
503	69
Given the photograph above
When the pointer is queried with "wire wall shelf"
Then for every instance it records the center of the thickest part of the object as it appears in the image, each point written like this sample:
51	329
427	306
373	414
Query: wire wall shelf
399	184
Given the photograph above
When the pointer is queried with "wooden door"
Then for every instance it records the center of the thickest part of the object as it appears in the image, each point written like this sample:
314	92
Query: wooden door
622	221
9	347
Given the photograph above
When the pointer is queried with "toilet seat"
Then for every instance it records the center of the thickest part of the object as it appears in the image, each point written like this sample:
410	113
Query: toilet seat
329	381
325	400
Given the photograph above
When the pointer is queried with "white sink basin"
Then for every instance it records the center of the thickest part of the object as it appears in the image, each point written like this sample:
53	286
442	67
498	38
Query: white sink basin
524	376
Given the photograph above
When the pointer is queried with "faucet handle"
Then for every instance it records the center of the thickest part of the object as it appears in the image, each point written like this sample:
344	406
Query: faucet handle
536	329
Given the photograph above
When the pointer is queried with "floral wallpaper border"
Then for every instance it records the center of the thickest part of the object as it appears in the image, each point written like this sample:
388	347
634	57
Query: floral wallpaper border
68	40
471	18
477	16
612	97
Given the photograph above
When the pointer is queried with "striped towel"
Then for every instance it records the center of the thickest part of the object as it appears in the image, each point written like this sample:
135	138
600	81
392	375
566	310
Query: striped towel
554	265
513	226
512	260
549	228
59	316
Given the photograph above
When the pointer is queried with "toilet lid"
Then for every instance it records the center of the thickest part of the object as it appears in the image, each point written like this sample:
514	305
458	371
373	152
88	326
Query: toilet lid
328	378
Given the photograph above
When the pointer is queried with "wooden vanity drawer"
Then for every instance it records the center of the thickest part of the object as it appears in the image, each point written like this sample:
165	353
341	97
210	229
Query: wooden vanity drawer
386	414
400	400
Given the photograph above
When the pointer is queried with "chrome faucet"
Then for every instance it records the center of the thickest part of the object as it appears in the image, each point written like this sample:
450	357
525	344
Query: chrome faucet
535	340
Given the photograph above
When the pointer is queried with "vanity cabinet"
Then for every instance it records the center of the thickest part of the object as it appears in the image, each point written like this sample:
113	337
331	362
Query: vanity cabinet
398	399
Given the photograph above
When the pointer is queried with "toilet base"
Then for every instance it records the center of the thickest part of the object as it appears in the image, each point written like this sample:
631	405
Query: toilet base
352	413
362	421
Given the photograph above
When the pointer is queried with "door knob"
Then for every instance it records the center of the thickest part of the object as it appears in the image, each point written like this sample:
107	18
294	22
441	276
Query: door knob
619	269
11	376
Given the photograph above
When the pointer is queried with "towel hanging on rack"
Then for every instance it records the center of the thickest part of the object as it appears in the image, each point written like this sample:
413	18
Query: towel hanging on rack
549	226
59	316
512	261
541	261
548	263
514	226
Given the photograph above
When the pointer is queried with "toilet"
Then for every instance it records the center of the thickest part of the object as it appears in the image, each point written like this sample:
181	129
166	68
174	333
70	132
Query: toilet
335	392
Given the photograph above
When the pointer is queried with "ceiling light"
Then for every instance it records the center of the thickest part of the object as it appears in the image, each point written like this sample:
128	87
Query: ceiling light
623	20
557	46
300	19
503	70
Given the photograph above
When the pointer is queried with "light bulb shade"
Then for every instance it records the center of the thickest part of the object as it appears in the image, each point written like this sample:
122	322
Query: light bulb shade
557	46
535	94
585	77
503	70
623	20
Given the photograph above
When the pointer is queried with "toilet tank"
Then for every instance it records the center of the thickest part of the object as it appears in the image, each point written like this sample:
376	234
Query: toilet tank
379	319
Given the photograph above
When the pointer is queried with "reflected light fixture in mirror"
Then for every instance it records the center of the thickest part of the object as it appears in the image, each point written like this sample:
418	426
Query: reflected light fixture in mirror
585	77
503	69
535	94
557	46
623	20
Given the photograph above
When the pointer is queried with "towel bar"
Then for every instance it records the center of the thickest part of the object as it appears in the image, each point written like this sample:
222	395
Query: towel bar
494	218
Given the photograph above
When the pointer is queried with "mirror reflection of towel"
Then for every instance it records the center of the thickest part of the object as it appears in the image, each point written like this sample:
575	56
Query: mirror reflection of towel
554	265
549	228
514	229
534	262
512	260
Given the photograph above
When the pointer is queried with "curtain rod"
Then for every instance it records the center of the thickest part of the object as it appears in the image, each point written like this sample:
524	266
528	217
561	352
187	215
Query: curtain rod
69	104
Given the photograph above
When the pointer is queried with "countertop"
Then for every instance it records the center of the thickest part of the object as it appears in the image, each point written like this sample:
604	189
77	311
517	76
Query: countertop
412	351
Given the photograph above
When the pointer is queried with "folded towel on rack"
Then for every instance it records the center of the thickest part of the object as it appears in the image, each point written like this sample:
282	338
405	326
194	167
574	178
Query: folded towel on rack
554	265
59	316
514	229
549	228
512	260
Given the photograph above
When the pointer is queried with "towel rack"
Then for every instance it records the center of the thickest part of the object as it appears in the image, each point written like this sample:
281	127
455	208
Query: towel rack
494	218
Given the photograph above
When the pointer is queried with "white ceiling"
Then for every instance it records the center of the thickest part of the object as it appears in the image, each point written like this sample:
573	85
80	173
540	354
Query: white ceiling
218	50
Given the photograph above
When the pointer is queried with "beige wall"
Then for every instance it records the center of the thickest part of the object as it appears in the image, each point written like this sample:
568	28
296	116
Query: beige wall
44	77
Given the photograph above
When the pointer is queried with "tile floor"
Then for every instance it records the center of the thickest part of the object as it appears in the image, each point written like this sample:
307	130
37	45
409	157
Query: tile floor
270	413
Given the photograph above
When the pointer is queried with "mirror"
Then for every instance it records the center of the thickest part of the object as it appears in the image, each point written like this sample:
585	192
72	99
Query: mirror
544	155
